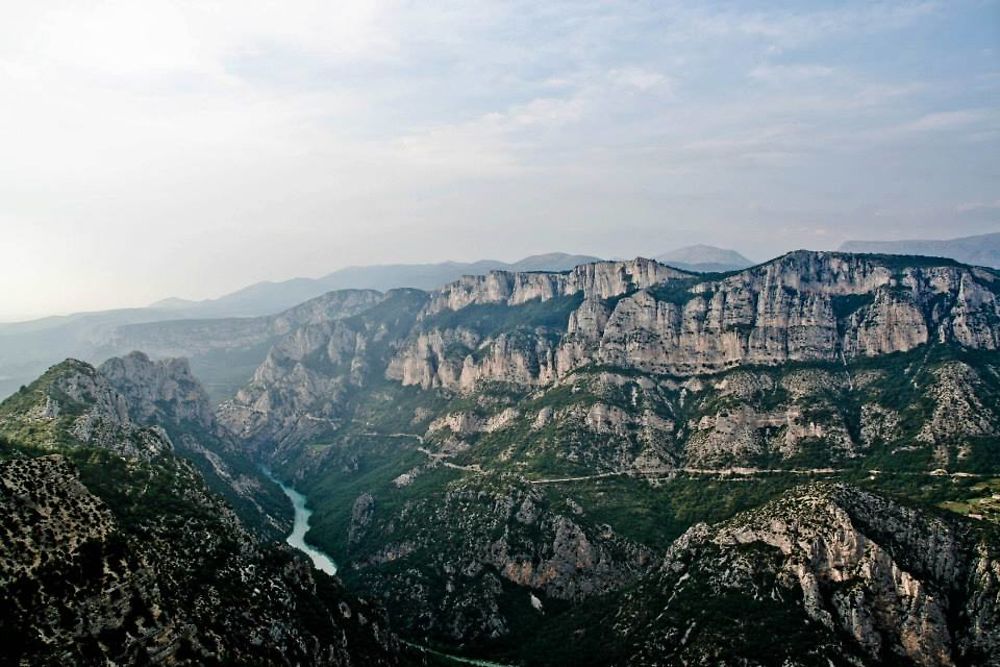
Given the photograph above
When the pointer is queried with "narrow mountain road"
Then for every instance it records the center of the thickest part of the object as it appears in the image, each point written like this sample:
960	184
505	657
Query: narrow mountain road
412	436
655	473
440	459
455	658
651	473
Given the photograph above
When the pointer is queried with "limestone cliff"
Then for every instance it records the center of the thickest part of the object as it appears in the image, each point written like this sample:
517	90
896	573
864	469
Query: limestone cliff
538	329
166	395
804	306
599	280
114	551
856	578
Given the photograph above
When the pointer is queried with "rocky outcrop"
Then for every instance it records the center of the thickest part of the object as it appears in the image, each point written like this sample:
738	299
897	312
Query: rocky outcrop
361	516
163	392
598	280
496	537
958	411
296	393
125	557
897	585
804	306
73	404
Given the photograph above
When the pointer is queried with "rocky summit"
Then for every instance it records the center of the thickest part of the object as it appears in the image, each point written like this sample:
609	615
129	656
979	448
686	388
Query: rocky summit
620	463
116	552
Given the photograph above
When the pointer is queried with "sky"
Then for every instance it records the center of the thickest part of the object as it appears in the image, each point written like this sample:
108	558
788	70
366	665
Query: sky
154	149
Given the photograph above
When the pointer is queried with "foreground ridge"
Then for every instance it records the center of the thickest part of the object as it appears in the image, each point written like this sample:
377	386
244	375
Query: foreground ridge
115	551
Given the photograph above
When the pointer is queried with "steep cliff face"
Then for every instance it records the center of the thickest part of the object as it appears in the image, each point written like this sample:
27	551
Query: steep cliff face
598	280
166	395
463	360
502	536
298	393
801	307
161	391
536	331
113	553
853	577
804	306
72	404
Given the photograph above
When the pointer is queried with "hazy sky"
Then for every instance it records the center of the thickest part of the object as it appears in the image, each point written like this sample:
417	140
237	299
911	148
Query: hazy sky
152	148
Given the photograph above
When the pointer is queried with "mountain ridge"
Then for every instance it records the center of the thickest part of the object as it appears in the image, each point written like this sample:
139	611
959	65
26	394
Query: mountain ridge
703	258
979	250
489	455
28	348
124	555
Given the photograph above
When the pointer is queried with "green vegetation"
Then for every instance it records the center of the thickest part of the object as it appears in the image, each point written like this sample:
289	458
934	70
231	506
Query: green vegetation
677	292
845	305
488	320
229	370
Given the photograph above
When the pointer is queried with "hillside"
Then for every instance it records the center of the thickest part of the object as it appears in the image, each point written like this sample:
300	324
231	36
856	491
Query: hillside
227	337
825	575
114	550
496	456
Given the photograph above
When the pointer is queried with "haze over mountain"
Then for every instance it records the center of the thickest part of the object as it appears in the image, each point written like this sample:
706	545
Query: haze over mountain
266	298
27	348
321	444
705	259
981	250
794	462
236	141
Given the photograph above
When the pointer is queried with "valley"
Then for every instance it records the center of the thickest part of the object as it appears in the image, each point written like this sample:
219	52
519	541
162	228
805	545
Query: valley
489	460
517	457
300	526
500	334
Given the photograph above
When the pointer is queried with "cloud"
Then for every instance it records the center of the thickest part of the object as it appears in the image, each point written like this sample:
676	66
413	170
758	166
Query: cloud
784	74
978	206
638	78
948	120
357	132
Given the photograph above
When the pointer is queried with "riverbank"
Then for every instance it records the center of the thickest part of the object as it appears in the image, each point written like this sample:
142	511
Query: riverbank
297	538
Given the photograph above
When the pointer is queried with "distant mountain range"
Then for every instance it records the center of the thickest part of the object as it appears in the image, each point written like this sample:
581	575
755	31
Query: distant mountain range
705	259
28	348
266	298
258	312
620	464
981	250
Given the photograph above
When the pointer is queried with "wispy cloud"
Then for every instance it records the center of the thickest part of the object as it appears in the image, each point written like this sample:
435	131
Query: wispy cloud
976	206
795	74
947	120
362	131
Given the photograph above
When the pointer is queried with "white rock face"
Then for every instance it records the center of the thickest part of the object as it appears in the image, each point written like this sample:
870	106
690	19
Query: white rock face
796	308
635	316
149	386
101	412
890	578
600	280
